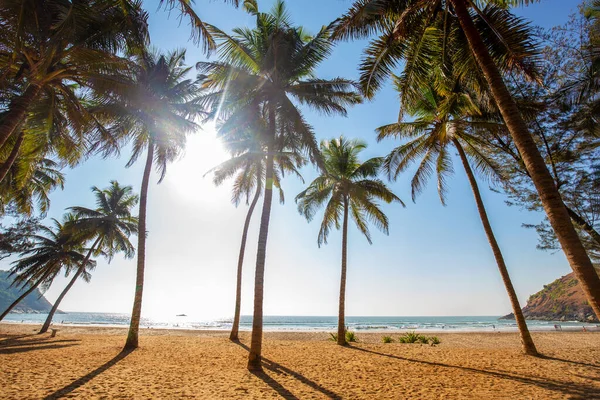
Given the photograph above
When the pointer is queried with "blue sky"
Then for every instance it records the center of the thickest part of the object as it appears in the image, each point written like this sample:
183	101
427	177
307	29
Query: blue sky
436	260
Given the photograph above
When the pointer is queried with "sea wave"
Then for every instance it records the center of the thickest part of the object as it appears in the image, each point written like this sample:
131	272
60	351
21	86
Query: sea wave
301	323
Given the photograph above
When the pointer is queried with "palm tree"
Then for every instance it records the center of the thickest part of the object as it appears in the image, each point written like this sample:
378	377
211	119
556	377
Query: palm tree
419	31
450	116
263	69
28	186
54	127
348	187
52	250
108	226
248	167
155	113
53	48
200	32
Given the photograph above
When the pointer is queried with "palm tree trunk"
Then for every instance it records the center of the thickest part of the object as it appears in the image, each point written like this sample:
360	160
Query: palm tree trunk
254	356
545	185
8	163
25	294
238	290
341	335
16	112
66	289
134	326
526	341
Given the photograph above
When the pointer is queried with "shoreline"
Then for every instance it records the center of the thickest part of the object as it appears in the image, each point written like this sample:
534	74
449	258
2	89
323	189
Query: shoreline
502	329
184	331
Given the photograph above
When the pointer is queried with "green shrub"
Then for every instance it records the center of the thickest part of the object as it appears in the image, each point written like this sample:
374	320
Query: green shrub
413	337
409	337
433	340
387	339
350	337
423	339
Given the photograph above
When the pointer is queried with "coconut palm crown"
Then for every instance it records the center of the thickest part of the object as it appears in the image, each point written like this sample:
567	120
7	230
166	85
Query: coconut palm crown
111	222
54	250
50	49
348	184
28	184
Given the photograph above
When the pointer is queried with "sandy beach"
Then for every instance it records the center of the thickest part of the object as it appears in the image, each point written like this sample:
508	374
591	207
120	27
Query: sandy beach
83	362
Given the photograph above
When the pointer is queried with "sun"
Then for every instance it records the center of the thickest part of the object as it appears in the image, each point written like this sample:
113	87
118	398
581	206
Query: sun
203	152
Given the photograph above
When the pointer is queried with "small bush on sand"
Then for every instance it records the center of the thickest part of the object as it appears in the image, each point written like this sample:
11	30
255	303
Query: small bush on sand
413	337
387	339
350	337
433	340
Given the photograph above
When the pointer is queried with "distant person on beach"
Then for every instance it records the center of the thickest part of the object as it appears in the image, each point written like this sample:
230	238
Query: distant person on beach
558	327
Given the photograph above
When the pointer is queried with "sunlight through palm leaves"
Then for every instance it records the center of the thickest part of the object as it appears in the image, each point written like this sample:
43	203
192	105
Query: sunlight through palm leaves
262	72
247	167
155	114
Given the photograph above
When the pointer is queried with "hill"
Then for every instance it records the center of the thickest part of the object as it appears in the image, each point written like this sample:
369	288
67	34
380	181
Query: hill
561	300
35	302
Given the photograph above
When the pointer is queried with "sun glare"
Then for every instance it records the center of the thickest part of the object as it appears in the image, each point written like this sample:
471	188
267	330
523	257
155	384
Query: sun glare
203	152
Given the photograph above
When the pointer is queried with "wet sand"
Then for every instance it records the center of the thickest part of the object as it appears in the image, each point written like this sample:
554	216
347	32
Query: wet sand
87	363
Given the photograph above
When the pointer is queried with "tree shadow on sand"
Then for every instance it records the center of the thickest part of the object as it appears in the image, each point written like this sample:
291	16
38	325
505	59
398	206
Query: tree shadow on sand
572	389
16	345
16	350
85	379
280	369
583	364
9	339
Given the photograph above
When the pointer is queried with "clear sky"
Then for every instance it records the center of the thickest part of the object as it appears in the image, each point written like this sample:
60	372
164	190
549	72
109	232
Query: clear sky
436	260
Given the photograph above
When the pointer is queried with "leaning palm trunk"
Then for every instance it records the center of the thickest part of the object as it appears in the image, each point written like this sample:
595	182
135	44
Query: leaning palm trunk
16	112
134	326
549	195
254	357
25	294
341	335
66	289
8	163
238	290
526	341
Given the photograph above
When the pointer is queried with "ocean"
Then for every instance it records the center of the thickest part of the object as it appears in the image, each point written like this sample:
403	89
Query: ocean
301	323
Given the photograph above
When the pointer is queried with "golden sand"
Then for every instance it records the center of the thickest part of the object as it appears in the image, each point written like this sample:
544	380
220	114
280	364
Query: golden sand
86	363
